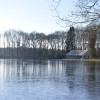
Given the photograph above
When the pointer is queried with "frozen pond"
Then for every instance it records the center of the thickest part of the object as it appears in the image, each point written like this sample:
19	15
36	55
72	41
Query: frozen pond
49	80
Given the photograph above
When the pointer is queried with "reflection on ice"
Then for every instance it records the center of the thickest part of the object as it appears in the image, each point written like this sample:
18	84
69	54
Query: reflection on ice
49	80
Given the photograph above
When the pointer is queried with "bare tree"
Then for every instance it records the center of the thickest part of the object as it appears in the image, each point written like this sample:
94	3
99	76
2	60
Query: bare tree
91	32
87	13
33	45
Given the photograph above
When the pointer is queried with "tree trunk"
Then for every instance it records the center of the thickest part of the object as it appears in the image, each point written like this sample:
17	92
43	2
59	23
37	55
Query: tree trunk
91	44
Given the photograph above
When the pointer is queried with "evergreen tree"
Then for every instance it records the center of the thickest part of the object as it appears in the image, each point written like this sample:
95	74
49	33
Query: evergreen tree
70	41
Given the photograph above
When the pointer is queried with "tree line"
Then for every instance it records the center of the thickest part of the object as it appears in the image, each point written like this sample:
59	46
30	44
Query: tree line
19	44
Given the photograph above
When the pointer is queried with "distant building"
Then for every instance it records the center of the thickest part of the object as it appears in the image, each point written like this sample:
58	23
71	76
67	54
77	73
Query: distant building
77	54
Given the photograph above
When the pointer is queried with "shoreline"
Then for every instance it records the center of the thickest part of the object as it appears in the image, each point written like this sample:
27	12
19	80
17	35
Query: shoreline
96	60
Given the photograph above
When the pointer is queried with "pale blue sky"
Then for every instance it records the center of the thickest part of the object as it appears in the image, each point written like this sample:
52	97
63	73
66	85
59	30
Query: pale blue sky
31	15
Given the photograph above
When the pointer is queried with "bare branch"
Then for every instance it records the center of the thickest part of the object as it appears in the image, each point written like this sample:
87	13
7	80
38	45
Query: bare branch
94	4
58	4
87	12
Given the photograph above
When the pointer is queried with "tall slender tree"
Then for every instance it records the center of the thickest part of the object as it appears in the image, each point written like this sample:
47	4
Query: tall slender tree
70	41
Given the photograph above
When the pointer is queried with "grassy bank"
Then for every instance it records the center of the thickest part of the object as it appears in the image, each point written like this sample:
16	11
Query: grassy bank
97	60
